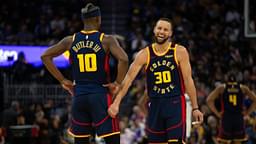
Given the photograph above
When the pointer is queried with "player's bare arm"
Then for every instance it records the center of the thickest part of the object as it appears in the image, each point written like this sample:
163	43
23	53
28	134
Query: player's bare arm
213	96
183	60
252	96
111	44
118	52
54	51
138	63
143	101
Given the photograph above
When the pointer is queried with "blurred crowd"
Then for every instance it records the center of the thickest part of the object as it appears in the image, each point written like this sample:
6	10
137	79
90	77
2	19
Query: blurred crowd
41	22
211	30
43	123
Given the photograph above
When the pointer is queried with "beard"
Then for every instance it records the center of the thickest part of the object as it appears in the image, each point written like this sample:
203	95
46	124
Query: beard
160	41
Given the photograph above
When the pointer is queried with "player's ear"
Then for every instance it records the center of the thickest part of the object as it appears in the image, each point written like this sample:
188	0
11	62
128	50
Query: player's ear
170	34
154	30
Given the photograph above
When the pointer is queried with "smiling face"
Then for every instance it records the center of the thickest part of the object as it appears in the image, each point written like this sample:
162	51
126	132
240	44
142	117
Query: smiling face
162	31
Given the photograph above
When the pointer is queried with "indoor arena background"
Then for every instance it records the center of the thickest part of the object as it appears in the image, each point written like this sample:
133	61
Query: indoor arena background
219	34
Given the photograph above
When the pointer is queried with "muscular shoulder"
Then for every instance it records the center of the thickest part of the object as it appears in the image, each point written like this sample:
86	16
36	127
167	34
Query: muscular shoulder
66	42
244	88
142	56
108	40
221	87
68	38
181	52
143	53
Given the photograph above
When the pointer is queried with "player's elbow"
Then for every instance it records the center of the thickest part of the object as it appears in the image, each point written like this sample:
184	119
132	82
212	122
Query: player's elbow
124	58
44	57
209	100
124	61
188	81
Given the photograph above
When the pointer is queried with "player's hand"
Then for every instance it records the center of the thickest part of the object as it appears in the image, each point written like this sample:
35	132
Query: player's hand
198	116
113	87
219	115
68	85
246	115
113	110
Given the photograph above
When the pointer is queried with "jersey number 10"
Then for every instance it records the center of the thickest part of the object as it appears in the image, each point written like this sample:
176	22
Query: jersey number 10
87	62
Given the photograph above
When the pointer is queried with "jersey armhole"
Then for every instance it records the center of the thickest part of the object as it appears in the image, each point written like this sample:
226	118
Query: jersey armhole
148	59
175	54
101	37
74	36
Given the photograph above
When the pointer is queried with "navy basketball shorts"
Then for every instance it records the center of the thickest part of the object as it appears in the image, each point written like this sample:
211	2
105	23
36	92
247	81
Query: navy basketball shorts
232	128
90	117
166	121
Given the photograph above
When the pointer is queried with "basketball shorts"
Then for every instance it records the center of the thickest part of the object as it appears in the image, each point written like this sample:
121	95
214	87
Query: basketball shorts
166	121
90	117
232	128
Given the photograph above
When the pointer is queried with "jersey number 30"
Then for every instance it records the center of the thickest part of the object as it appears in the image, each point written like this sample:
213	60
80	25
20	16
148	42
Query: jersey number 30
87	62
162	77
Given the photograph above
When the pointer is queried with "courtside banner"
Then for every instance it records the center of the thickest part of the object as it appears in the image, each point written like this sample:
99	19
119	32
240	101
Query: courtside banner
9	54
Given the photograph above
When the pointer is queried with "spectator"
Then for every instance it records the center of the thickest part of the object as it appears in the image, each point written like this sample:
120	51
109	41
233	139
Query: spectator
21	69
10	118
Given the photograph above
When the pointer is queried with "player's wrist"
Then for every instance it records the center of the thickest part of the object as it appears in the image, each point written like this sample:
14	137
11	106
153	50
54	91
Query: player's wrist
117	100
62	80
194	109
116	83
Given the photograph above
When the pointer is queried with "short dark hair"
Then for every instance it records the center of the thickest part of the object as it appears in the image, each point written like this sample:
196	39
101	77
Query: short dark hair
231	77
90	11
166	19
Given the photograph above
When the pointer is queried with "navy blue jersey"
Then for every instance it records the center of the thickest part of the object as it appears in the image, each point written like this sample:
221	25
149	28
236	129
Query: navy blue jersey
164	77
232	98
89	59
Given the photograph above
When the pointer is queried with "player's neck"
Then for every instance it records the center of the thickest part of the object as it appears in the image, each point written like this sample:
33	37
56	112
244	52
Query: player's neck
160	48
90	28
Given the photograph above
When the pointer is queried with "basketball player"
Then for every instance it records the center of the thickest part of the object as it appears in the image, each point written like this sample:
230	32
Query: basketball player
232	93
89	52
168	77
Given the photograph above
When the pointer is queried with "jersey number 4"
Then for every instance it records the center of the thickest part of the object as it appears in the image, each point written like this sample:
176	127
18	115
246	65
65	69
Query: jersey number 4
87	62
233	99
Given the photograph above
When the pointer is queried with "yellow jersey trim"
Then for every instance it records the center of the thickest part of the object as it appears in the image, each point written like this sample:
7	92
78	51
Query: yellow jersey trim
175	140
101	37
175	54
148	58
88	32
160	54
158	143
74	36
78	136
110	134
232	83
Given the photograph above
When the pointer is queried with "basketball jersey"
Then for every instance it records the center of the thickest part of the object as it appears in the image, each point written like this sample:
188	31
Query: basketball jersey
164	77
232	98
90	63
